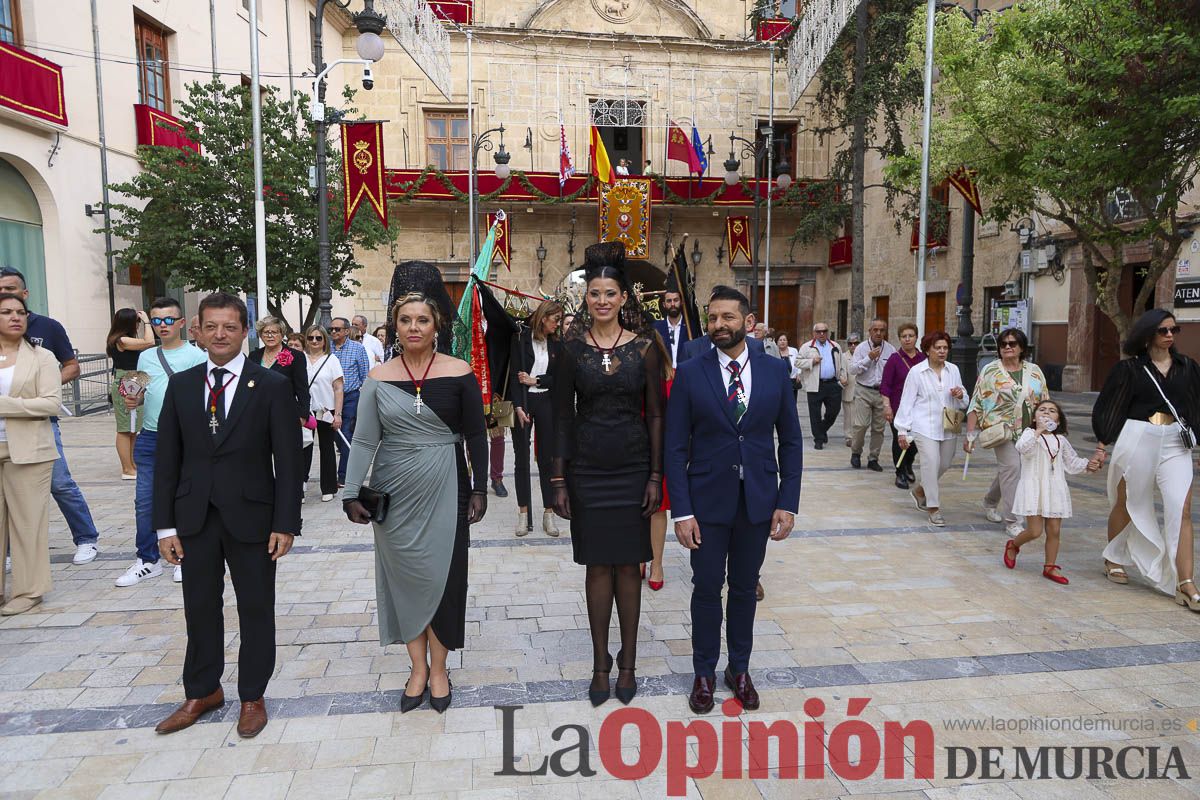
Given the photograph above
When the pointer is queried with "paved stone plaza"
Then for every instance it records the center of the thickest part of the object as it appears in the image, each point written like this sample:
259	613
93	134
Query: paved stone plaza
864	600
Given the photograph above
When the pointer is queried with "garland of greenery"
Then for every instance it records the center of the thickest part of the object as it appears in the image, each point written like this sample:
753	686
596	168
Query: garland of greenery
408	190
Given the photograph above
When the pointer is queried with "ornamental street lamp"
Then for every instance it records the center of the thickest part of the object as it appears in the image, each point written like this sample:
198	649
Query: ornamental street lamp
541	257
484	142
696	256
370	24
761	152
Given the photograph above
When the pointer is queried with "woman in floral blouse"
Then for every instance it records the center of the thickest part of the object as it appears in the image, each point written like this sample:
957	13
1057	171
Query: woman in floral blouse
1006	393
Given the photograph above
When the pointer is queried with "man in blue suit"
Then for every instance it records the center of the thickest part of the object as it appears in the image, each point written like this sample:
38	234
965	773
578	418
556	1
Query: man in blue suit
673	331
729	494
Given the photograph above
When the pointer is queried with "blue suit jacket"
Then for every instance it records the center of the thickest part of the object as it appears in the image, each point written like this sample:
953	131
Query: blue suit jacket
705	447
698	347
660	325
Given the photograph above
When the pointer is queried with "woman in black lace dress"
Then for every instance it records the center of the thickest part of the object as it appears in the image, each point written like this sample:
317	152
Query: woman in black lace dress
607	471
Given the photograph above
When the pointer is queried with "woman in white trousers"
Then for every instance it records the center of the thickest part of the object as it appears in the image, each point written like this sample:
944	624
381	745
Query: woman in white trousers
931	388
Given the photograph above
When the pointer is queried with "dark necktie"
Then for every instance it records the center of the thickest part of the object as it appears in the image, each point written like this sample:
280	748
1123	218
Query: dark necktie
736	392
216	397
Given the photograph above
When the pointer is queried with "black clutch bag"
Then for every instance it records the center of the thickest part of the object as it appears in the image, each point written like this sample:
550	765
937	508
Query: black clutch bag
375	502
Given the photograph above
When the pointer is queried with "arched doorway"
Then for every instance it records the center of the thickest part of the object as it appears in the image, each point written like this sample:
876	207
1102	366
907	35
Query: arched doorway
21	242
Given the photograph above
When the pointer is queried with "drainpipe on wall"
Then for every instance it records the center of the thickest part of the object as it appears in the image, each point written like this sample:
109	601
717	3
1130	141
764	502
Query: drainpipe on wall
108	254
212	28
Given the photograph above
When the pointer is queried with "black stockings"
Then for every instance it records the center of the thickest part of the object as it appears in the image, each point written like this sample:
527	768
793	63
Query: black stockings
603	584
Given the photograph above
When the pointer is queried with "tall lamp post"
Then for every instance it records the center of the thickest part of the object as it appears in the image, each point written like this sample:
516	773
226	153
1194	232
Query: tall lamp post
484	142
370	24
763	154
541	257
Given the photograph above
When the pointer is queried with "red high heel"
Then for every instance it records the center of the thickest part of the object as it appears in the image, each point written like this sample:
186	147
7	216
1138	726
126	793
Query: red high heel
1046	573
655	585
1010	561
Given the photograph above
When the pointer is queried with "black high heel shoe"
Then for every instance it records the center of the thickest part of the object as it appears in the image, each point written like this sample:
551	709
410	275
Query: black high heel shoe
623	694
600	696
440	704
409	703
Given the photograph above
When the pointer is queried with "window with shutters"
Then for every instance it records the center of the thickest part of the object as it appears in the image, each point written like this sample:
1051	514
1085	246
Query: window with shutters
10	22
153	68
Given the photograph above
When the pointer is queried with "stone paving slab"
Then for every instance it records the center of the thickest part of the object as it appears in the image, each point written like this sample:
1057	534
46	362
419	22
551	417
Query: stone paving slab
865	600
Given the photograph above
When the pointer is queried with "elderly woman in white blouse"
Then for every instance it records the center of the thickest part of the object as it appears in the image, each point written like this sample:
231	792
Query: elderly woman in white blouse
933	399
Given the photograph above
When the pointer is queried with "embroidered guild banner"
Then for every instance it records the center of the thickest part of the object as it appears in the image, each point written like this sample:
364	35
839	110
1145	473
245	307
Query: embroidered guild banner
362	169
625	215
964	181
737	230
503	243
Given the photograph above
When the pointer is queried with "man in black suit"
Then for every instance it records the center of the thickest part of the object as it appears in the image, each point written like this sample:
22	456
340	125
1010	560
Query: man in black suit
227	489
673	331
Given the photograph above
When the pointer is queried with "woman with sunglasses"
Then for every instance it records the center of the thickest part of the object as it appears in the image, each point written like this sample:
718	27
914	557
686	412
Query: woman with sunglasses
1007	391
1146	401
129	335
325	383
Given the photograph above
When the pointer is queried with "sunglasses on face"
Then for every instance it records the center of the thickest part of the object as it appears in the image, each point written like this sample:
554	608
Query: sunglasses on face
164	320
1010	343
336	330
1173	330
316	338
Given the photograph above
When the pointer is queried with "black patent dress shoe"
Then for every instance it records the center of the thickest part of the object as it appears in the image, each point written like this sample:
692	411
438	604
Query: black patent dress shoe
600	696
409	703
701	698
901	481
873	465
624	694
743	689
818	445
440	704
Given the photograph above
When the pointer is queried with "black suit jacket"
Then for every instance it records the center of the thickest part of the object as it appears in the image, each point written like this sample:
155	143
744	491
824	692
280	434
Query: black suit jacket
296	372
522	361
249	470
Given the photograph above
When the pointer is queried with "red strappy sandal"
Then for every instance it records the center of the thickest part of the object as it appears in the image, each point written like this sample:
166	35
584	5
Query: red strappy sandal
1010	561
1046	573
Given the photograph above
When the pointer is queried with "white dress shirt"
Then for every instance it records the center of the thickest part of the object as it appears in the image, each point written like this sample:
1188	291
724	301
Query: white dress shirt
925	395
234	369
868	372
374	349
541	363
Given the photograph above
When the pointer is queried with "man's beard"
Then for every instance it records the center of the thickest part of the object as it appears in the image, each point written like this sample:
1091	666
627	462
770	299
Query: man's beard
674	313
736	337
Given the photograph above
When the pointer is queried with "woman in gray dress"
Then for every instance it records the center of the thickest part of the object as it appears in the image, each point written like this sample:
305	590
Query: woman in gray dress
415	411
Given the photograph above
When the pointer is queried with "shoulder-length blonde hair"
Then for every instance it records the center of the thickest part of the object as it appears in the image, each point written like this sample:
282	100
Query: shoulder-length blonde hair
324	337
548	308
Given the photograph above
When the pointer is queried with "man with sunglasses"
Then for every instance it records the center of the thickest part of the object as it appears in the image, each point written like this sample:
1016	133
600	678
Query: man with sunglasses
355	366
50	334
173	354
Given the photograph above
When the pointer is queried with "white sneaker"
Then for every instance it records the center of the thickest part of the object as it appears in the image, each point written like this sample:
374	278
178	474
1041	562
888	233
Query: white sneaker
1014	529
325	498
178	576
992	513
85	554
139	572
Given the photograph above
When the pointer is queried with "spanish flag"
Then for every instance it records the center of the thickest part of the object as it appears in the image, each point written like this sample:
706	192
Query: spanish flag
601	167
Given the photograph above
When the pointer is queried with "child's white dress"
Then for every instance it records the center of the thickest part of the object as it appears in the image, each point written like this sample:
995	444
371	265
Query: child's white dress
1042	490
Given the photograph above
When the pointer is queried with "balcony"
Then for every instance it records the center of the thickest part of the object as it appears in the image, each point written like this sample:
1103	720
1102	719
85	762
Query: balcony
841	252
776	28
160	129
31	87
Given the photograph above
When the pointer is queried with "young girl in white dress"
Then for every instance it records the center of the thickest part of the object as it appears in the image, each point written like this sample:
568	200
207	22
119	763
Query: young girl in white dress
1043	497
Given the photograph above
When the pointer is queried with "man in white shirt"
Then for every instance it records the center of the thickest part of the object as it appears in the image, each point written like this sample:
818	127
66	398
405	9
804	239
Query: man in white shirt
373	345
867	367
820	362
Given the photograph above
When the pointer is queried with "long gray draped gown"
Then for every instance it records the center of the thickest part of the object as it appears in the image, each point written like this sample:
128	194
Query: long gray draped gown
416	458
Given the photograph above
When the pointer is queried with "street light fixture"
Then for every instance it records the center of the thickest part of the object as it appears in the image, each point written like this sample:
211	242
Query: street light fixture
541	257
370	23
759	152
696	255
484	142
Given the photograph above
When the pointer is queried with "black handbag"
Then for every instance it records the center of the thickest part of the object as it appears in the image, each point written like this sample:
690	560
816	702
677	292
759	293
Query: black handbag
375	502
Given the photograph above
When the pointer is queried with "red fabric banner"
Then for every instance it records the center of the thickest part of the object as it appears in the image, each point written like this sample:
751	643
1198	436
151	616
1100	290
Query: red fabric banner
964	181
157	128
679	148
460	11
479	353
398	182
362	169
841	251
771	29
737	232
32	86
503	242
938	234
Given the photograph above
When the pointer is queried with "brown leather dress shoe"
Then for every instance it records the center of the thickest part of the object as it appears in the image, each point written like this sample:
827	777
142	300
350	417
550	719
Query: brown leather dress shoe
186	715
253	718
743	689
701	698
758	592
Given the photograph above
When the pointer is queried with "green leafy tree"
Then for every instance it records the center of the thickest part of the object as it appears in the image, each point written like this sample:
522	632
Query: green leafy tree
189	218
1064	107
867	91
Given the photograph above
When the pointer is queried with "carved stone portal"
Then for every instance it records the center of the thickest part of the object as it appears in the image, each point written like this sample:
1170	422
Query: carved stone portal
618	11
